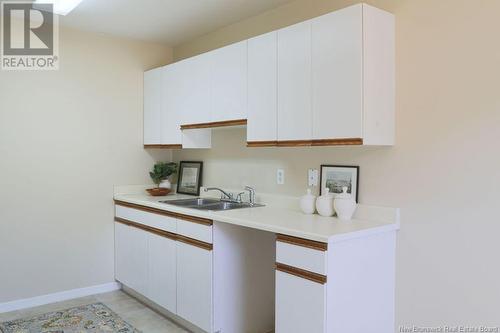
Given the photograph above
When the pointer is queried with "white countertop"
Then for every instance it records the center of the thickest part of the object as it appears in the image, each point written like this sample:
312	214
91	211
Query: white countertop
284	220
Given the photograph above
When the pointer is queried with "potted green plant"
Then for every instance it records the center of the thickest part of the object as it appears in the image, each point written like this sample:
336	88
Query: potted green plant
160	174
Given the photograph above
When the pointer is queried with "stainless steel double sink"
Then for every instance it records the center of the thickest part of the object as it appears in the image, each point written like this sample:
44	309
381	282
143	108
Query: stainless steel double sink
210	204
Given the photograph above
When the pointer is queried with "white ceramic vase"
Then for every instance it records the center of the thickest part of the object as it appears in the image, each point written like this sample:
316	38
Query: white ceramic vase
344	205
324	204
308	202
166	184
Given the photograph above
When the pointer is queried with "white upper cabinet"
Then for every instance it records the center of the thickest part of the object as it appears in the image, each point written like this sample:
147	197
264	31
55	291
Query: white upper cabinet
326	81
262	88
152	106
162	101
294	82
229	82
378	77
171	98
353	76
337	74
195	93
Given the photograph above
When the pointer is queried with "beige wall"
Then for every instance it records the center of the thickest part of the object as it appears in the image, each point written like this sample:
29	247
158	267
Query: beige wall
66	137
444	170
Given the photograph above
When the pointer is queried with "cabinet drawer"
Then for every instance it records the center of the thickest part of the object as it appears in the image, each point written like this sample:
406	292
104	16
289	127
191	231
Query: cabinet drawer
195	230
150	219
306	258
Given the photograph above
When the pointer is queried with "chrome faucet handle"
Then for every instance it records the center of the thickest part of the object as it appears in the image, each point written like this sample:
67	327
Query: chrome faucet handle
239	198
251	194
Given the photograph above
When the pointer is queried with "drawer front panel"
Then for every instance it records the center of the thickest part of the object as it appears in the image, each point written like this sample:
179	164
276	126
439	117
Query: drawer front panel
195	230
301	257
157	221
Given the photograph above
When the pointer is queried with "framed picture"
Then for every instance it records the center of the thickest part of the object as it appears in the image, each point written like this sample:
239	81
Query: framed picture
190	174
334	177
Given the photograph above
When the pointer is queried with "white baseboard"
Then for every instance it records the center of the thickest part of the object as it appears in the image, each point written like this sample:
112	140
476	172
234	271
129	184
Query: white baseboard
58	297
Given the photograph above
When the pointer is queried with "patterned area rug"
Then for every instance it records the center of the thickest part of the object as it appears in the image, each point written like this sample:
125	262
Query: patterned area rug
94	318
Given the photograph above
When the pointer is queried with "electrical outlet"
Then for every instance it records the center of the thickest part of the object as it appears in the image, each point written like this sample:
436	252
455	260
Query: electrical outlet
312	177
280	176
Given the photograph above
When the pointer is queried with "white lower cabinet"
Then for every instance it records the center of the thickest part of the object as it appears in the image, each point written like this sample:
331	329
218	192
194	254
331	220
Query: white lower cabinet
222	278
162	285
173	274
131	253
300	305
194	285
342	287
217	278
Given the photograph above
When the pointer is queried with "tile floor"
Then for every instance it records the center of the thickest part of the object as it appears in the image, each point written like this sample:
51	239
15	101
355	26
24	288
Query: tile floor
128	308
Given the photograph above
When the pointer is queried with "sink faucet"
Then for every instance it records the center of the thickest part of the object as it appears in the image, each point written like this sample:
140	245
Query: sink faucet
224	194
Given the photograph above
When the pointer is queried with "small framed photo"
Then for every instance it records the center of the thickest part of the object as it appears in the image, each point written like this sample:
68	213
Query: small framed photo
190	174
335	177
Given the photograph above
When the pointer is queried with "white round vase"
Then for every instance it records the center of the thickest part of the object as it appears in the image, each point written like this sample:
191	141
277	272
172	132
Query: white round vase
344	205
324	204
166	184
308	202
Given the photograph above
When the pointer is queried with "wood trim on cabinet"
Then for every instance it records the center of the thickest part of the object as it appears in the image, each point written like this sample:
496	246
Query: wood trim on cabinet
194	219
147	228
338	142
184	217
225	123
301	273
302	242
195	242
166	234
321	142
294	143
252	144
171	146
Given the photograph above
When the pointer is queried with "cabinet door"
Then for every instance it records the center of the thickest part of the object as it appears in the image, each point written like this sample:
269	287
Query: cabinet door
300	305
337	76
171	105
194	285
229	82
294	82
194	83
262	88
152	106
162	272
131	253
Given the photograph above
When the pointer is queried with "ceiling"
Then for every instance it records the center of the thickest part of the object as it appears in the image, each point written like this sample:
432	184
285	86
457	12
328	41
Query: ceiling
170	22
